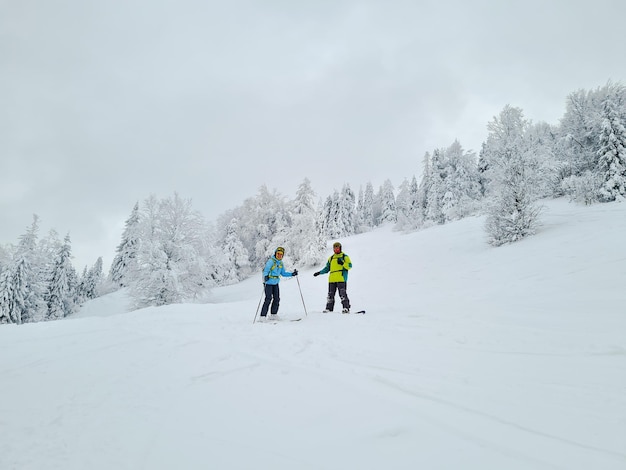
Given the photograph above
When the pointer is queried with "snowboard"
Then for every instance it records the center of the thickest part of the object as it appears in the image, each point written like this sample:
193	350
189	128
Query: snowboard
359	312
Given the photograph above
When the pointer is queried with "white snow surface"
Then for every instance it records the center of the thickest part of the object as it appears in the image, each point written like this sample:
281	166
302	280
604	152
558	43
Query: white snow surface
469	357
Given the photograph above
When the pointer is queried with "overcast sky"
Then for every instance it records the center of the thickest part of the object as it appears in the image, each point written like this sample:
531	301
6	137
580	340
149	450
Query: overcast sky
103	103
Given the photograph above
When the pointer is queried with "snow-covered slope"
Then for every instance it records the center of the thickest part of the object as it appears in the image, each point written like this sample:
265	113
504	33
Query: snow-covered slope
468	357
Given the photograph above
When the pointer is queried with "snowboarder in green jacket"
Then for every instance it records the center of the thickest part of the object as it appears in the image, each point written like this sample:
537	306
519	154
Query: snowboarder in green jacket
337	265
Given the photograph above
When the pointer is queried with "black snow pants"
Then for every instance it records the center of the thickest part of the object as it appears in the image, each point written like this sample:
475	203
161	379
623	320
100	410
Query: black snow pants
333	287
272	295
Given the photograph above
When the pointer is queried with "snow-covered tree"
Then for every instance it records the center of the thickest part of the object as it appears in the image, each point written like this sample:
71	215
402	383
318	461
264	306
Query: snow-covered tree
612	153
236	263
60	295
22	286
332	225
512	213
578	132
460	187
91	281
578	147
171	263
347	211
483	169
4	256
436	188
583	188
403	200
11	299
339	217
387	203
416	213
360	210
31	264
305	237
125	259
365	209
262	220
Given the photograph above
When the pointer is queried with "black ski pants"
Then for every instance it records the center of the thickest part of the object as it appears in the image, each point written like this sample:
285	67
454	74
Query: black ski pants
333	287
272	295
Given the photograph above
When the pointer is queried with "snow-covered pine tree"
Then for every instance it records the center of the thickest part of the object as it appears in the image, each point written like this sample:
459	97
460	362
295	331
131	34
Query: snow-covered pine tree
347	211
305	237
60	294
5	316
612	153
512	213
10	299
304	202
387	203
92	281
424	185
81	287
332	225
416	214
409	205
13	292
483	170
339	214
403	205
360	210
30	266
125	260
4	257
368	206
22	284
436	188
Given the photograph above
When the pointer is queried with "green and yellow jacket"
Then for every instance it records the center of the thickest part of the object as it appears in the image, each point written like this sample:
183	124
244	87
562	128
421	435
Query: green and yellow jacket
338	266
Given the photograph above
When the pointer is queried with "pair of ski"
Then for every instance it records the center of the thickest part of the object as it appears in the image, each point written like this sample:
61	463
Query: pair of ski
360	312
273	322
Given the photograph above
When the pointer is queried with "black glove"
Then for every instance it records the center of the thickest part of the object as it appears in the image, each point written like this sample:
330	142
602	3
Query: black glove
266	278
316	274
340	261
295	272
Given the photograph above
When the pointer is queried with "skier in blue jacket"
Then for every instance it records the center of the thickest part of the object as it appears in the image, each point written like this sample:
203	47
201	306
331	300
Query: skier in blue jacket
274	268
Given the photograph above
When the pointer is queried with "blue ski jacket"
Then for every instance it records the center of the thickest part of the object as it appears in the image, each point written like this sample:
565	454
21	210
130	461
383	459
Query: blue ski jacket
274	268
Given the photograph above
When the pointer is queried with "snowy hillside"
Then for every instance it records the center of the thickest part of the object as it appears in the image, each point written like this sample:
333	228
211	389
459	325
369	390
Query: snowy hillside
469	357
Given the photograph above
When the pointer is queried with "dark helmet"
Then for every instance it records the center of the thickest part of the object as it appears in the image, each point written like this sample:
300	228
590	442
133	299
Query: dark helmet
280	249
337	244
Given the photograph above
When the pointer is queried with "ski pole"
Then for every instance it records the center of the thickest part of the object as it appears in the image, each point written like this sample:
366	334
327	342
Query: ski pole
305	314
257	307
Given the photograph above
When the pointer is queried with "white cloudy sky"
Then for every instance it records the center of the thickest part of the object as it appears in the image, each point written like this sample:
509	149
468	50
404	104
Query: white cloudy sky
105	103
